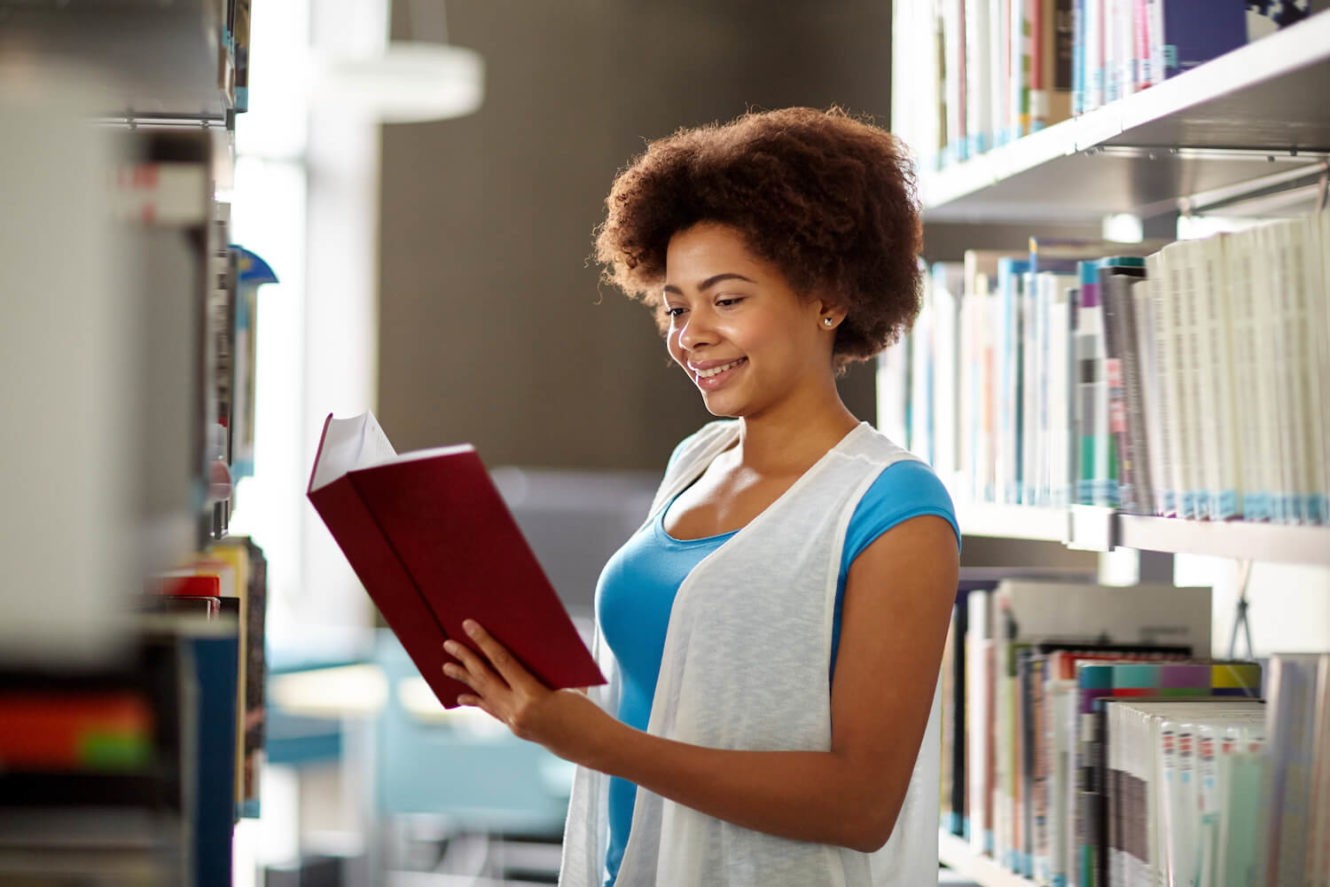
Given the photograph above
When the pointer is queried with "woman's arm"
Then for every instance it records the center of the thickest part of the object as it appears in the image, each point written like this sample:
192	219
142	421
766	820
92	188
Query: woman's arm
898	600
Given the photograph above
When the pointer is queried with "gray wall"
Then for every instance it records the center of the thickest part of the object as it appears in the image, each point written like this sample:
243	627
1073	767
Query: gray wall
493	328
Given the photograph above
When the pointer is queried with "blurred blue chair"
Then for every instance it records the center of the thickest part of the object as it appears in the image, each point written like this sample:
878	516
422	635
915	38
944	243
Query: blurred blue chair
458	778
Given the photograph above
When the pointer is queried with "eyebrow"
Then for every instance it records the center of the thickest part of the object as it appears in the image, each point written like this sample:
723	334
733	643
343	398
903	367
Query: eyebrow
709	282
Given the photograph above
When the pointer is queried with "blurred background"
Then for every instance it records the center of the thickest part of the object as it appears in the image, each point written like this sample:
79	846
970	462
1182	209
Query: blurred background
450	289
223	220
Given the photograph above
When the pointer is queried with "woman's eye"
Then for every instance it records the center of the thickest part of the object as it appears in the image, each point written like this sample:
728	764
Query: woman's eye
728	301
671	312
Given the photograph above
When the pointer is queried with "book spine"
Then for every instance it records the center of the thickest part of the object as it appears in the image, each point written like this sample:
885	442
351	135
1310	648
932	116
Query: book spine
1267	334
1094	53
1033	378
1187	335
978	645
1078	84
1243	346
1134	388
1226	482
953	79
978	71
1115	289
1143	297
1000	53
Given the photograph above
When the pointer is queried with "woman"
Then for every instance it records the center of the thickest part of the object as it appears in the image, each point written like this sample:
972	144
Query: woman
774	629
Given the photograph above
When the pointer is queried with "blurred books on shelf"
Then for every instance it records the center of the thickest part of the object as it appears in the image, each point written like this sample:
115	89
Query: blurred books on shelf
1127	756
968	78
1174	389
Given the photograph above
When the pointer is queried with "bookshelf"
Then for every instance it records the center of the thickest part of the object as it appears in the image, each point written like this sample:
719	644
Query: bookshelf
1258	112
1253	121
116	128
1243	540
168	60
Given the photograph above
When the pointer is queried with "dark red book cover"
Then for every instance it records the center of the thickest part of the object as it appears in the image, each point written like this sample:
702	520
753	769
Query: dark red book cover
433	543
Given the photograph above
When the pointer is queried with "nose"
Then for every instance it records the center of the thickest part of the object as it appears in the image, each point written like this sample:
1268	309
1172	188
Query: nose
695	330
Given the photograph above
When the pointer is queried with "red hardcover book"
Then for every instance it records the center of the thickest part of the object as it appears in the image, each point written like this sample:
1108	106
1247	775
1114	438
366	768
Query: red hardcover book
434	544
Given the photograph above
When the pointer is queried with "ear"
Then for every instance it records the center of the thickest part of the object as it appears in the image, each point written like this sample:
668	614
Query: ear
830	316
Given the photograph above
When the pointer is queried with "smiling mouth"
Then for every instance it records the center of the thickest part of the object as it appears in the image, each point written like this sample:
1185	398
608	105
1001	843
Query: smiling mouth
716	371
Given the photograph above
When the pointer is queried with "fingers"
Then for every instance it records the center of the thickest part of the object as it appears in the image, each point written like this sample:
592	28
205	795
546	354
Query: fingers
499	657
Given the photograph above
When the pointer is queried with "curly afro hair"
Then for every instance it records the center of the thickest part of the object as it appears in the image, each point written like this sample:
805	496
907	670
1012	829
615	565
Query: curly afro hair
826	198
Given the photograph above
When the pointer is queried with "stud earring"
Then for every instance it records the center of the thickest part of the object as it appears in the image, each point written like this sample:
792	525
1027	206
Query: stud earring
828	322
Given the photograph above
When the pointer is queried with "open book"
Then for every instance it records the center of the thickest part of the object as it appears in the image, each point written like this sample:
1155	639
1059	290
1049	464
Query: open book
434	544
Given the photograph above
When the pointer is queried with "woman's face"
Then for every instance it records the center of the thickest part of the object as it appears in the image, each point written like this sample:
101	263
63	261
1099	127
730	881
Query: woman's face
741	333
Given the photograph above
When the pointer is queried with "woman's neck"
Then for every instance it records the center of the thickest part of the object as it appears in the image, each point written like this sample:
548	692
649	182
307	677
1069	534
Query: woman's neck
790	443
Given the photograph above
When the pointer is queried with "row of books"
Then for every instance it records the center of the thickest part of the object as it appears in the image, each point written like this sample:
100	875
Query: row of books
173	731
1180	379
1126	755
970	76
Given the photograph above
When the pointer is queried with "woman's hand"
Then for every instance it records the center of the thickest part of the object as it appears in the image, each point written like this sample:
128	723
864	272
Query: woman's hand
564	721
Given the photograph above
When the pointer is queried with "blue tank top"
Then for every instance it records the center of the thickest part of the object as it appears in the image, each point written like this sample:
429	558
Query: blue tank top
637	588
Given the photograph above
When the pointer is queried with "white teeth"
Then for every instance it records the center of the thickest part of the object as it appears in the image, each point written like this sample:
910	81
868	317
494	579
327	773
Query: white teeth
715	371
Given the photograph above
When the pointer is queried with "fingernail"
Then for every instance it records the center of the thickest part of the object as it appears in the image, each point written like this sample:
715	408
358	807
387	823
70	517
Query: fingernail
470	626
450	646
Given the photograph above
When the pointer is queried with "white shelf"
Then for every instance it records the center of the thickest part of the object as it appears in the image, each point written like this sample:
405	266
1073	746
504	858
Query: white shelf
160	60
1013	521
1236	539
956	854
1261	109
1277	543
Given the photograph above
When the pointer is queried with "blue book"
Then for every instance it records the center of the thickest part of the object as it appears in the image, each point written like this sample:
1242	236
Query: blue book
1196	31
216	659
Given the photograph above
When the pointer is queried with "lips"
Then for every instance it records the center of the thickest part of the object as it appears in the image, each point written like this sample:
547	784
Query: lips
715	369
714	373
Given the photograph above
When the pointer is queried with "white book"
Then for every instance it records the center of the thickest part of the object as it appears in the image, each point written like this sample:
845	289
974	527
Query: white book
922	365
1323	352
1154	70
1060	699
1033	439
1003	726
1058	462
1186	335
1093	54
1204	276
916	90
1241	777
1000	57
946	280
953	79
978	704
1174	767
1287	300
1268	335
1007	352
1318	348
1225	478
1244	344
967	384
1018	82
1116	57
893	381
1291	684
1300	237
979	126
1216	736
1169	325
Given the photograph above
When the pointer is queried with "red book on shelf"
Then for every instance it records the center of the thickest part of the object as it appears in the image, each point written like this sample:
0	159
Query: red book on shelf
434	544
